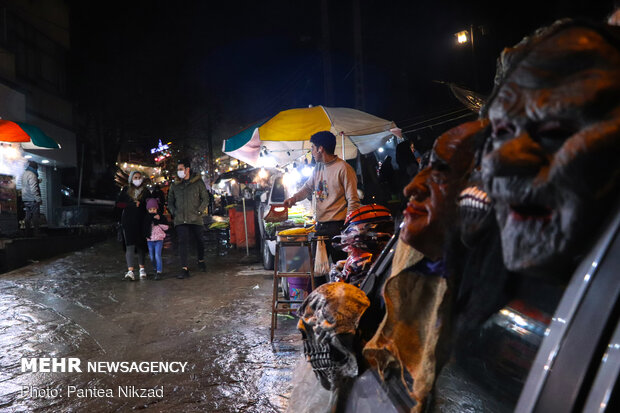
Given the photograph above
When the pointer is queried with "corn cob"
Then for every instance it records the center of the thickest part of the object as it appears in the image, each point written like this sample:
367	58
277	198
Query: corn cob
297	231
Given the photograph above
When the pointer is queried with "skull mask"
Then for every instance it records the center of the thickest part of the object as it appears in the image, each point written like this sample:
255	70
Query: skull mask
330	316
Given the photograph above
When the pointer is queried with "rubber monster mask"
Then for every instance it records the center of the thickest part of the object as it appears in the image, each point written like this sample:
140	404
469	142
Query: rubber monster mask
433	191
551	165
416	299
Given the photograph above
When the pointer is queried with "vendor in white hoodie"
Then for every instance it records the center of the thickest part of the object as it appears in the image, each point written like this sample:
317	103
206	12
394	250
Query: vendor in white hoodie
31	196
334	186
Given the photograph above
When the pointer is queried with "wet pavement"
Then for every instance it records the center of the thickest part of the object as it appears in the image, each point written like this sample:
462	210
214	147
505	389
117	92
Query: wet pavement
78	306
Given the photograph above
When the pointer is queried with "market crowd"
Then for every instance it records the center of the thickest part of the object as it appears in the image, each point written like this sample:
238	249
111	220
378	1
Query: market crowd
143	224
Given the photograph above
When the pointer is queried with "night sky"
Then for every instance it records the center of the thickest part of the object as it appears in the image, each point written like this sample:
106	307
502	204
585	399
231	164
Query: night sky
172	70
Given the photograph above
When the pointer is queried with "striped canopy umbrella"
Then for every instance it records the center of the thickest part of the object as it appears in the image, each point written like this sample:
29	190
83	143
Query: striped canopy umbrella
286	136
30	136
245	145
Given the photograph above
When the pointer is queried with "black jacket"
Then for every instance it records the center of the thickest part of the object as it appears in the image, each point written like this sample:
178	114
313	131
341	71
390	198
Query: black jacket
132	218
149	221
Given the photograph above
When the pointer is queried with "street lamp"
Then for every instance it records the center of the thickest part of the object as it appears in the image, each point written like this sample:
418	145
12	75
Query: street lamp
464	37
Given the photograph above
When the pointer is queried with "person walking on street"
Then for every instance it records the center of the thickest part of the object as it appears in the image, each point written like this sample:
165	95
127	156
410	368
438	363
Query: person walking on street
154	191
187	201
132	199
334	186
155	227
31	196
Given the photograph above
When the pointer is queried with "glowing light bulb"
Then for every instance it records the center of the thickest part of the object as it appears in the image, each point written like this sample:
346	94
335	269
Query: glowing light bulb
267	162
462	37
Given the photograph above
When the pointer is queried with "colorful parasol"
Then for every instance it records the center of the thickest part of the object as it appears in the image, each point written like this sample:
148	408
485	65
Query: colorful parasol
30	136
245	145
286	136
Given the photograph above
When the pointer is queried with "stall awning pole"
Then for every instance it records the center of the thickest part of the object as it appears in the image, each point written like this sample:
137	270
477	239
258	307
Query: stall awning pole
342	141
245	226
79	200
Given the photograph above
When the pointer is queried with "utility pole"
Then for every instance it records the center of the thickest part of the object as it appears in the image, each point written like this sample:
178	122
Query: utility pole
473	56
467	36
360	101
211	173
328	86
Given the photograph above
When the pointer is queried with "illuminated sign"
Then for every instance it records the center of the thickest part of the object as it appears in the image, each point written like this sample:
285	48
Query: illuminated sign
162	157
160	147
162	151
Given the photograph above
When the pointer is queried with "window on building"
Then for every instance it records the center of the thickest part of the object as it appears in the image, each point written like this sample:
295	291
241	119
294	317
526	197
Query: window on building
38	59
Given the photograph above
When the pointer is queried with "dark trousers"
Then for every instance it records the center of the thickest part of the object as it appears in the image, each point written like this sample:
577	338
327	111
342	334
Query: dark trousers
186	233
130	252
331	229
32	214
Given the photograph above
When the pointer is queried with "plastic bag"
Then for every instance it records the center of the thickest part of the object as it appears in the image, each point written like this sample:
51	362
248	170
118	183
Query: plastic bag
321	261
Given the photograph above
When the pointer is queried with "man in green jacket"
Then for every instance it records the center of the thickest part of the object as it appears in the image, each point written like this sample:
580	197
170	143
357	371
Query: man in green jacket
187	201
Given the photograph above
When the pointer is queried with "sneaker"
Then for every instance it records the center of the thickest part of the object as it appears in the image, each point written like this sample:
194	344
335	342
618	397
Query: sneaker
158	276
202	266
142	273
184	274
129	275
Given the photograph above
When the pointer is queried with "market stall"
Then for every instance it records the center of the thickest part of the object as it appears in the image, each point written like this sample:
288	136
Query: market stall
15	137
285	138
283	142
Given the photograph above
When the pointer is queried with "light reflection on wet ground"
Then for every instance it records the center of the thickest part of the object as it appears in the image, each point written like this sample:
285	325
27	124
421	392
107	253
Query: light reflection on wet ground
79	306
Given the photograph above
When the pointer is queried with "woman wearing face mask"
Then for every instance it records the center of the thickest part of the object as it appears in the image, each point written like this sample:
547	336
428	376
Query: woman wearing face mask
133	198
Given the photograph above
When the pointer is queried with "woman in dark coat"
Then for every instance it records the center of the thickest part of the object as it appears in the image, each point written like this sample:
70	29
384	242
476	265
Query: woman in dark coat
133	201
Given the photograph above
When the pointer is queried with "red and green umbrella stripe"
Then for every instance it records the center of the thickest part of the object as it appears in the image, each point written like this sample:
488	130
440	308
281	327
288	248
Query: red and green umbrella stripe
23	132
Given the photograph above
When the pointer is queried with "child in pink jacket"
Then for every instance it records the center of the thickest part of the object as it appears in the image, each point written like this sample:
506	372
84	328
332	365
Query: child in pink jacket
155	229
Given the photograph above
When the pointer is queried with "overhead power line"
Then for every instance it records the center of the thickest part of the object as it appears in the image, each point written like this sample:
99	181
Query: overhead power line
441	123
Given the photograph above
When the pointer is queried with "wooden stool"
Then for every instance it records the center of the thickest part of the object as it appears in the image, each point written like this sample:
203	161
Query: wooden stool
283	242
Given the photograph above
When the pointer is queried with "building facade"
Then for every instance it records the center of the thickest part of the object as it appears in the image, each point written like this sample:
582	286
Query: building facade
34	88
